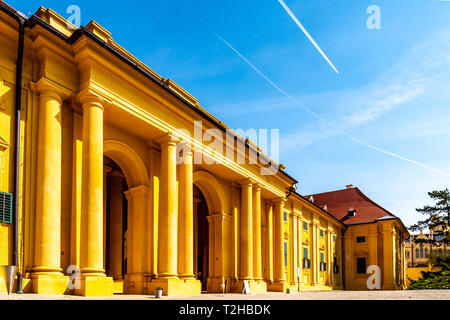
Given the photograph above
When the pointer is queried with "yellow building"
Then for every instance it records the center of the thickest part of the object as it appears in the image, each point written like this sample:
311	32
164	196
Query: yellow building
374	239
100	201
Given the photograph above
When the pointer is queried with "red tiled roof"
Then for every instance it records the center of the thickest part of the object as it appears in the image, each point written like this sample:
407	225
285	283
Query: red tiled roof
339	202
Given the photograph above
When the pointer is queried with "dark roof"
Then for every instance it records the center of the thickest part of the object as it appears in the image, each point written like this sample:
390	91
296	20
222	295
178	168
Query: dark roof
339	202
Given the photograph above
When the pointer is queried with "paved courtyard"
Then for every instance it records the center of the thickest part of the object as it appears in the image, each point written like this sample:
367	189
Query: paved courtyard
304	295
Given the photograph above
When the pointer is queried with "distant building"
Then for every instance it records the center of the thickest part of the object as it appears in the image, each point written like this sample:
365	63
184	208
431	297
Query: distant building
373	236
418	254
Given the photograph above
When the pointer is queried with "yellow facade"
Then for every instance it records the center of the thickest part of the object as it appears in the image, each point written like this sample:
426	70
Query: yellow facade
101	191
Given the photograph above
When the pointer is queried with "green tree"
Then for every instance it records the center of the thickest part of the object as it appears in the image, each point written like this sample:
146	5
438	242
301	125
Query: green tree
438	219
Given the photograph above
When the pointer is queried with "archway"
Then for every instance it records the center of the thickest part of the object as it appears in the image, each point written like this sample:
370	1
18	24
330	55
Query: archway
210	208
201	238
125	201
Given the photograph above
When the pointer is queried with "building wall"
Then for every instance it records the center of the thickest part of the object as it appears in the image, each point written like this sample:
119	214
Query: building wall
383	247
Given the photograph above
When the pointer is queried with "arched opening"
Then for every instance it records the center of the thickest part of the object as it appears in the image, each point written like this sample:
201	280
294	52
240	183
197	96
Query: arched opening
210	208
115	220
125	198
201	238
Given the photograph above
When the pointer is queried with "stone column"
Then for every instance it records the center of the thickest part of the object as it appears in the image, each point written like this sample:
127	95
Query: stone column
137	198
94	282
330	256
269	249
116	224
257	258
106	171
195	213
279	274
293	240
300	245
314	254
92	203
186	217
168	211
246	251
211	247
47	265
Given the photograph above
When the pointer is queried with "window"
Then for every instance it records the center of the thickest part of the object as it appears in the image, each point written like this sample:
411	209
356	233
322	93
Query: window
361	239
407	254
421	251
285	255
360	265
417	253
323	265
5	207
334	238
305	226
305	253
426	252
285	216
321	233
407	241
335	266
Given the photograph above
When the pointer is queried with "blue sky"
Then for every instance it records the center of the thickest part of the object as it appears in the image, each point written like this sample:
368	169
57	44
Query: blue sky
392	90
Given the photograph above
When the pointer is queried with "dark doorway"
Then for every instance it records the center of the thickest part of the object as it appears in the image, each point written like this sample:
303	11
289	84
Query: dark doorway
115	223
201	238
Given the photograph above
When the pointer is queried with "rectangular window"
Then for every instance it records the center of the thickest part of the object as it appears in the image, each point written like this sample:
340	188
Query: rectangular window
5	207
321	233
322	257
305	253
360	265
334	238
360	239
285	216
305	226
285	255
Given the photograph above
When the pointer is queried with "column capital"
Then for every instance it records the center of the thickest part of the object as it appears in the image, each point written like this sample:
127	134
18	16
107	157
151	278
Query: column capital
136	192
106	169
220	216
167	138
47	87
257	186
268	202
197	200
246	182
279	200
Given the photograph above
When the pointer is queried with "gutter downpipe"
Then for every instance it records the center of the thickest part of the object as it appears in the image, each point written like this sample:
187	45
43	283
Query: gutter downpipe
22	21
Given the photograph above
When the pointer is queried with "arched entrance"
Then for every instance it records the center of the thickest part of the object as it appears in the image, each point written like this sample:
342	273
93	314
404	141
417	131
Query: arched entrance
115	220
201	238
211	225
125	203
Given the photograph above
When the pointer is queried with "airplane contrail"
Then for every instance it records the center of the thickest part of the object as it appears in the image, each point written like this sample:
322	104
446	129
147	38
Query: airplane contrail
331	125
306	33
314	114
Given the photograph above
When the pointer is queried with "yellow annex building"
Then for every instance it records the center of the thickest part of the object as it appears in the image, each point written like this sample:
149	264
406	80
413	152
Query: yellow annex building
93	192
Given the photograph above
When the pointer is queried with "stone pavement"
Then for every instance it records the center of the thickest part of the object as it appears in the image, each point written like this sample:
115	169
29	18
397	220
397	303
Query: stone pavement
304	295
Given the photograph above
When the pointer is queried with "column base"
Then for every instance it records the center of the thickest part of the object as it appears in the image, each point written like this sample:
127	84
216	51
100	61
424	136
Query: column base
50	283
175	286
95	286
214	285
134	283
277	287
256	286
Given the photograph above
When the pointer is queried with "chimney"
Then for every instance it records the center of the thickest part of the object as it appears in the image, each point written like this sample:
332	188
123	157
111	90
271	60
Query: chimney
349	186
